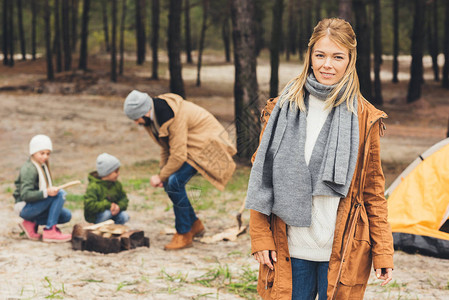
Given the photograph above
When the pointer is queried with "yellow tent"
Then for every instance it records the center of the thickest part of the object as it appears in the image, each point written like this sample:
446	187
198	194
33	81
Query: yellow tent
418	204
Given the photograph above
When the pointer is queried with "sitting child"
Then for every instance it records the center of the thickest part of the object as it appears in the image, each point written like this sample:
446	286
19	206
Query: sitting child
38	202
105	198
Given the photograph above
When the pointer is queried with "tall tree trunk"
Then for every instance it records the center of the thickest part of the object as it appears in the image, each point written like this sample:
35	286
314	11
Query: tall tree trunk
377	100
432	37
74	20
11	32
21	31
84	35
363	47
445	81
416	68
259	25
33	29
66	35
114	42
187	33
276	35
302	39
155	37
345	9
246	90
104	10
317	11
174	48
5	32
292	28
50	74
57	40
308	18
122	38
226	35
395	40
202	39
140	31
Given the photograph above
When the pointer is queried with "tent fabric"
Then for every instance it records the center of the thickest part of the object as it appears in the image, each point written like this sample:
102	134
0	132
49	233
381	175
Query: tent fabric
419	206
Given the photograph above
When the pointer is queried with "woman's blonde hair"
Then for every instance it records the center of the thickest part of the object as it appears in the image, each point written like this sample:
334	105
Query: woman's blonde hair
339	31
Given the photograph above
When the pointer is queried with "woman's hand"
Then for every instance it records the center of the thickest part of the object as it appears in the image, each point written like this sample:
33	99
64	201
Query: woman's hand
52	191
263	257
385	274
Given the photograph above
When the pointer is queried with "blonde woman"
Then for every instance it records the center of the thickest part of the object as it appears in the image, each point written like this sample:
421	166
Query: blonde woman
318	218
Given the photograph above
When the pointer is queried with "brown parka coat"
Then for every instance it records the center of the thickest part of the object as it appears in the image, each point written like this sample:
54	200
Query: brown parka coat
194	136
362	234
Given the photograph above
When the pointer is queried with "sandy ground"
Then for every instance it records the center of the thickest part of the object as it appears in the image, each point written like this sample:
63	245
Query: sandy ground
83	125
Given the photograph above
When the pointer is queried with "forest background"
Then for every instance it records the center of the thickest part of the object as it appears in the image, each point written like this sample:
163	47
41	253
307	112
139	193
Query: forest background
69	64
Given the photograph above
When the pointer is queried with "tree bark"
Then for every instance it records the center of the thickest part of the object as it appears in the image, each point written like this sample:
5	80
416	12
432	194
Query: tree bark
317	11
395	40
202	39
445	81
122	37
292	29
226	35
276	35
378	99
416	68
432	37
363	48
104	10
11	33
245	86
345	9
302	39
66	35
33	29
140	31
155	38
84	35
57	40
114	42
50	74
5	32
187	33
74	20
174	48
21	31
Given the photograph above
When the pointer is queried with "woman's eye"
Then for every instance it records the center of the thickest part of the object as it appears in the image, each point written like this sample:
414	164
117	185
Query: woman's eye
319	55
339	57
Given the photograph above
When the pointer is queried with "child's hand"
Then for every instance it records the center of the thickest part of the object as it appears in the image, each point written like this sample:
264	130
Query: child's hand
115	209
52	191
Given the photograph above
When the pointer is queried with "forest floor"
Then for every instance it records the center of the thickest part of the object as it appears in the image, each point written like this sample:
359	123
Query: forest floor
83	115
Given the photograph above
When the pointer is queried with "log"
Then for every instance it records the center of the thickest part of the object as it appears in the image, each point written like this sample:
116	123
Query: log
132	239
101	244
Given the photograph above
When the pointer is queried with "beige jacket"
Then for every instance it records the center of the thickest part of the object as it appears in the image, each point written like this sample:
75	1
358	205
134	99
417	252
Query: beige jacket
362	235
194	136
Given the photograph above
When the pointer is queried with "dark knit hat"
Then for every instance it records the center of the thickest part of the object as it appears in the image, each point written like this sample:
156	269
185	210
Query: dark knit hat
137	104
106	164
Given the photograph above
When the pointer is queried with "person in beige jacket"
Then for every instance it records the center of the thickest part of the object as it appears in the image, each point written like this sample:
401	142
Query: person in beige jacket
191	141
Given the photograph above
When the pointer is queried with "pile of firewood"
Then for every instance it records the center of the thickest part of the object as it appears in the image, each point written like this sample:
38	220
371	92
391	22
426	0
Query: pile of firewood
107	237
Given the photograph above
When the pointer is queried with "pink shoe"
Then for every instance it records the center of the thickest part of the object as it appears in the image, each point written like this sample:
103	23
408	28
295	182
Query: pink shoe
54	235
30	229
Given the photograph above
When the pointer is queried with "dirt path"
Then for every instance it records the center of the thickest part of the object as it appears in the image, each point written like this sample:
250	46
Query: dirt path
85	125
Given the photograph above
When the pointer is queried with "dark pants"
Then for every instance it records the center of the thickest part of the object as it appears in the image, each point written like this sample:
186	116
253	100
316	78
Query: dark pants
176	190
48	211
309	278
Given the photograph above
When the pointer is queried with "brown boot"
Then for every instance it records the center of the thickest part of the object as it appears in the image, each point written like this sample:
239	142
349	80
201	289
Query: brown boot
180	241
197	229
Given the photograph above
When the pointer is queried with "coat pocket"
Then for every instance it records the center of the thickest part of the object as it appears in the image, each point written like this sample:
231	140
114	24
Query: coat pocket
357	265
266	276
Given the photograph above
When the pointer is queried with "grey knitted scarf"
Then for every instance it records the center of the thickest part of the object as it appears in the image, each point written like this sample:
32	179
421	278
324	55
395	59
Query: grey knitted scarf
280	182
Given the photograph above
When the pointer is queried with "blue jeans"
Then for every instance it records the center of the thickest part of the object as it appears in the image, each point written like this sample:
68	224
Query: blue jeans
308	279
121	218
176	190
48	211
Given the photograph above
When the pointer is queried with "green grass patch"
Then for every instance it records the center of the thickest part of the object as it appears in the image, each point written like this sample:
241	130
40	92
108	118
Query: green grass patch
74	201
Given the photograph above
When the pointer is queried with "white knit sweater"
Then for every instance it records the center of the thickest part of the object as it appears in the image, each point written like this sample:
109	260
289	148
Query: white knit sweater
314	243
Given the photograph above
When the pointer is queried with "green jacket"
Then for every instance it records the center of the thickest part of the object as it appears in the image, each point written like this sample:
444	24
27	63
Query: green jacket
100	194
27	184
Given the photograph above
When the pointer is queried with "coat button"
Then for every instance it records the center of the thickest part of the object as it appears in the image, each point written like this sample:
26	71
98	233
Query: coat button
287	258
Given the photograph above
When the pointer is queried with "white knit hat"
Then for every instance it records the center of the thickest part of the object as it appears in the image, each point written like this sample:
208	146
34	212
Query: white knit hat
106	164
40	142
137	104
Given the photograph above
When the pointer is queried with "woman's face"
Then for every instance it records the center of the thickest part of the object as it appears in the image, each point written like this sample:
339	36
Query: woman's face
329	61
